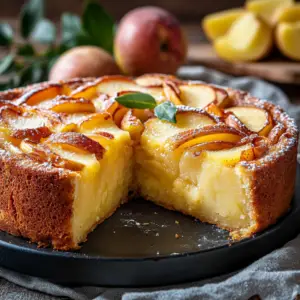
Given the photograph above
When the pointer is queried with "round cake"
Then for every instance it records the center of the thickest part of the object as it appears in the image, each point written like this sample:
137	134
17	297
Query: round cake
71	153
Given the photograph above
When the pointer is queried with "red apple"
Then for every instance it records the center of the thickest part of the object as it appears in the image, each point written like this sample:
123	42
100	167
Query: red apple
149	40
83	61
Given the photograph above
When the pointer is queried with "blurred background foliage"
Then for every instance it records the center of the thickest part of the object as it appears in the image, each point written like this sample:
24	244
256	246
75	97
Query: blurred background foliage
185	10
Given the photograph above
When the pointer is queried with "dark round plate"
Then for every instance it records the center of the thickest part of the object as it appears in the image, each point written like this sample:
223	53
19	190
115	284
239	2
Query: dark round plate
143	244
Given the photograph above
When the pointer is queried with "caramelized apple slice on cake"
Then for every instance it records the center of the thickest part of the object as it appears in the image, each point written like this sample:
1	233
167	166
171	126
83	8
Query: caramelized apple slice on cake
41	94
254	118
200	95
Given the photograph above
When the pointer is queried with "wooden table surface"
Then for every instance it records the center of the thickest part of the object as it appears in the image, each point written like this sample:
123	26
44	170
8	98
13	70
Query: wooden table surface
195	37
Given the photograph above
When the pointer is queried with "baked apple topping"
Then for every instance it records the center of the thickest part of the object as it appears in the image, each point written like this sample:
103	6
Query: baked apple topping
83	116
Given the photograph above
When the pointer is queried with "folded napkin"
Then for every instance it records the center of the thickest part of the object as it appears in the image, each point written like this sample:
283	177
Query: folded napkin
275	276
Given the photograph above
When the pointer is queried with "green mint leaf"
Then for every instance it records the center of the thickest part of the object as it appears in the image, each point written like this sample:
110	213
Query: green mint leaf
166	111
26	50
99	25
6	63
44	32
70	29
6	34
32	12
136	100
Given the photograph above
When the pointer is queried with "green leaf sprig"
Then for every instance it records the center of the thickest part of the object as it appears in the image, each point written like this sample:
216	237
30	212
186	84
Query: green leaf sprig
31	61
164	111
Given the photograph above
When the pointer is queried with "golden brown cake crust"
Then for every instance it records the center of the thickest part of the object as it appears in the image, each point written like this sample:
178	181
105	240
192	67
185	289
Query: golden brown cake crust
36	202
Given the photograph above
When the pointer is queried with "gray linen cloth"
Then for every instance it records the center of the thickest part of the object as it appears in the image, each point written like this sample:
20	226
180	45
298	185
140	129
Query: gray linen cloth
275	276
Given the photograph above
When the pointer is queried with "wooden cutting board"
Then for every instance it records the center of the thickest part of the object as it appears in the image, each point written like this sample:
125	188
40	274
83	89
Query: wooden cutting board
276	69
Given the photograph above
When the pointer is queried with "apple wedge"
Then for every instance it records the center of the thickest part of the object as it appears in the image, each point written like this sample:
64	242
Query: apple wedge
87	91
188	117
248	39
261	146
110	105
133	125
211	146
233	156
143	114
206	134
200	95
153	84
40	152
70	127
268	10
114	84
172	92
275	133
217	24
149	80
95	121
213	109
160	131
254	118
155	91
105	139
33	118
64	104
43	153
287	37
117	111
38	95
32	134
232	121
203	153
75	142
290	13
119	115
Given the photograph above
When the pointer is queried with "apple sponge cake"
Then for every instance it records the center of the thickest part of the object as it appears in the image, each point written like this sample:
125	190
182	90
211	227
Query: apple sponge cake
70	154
